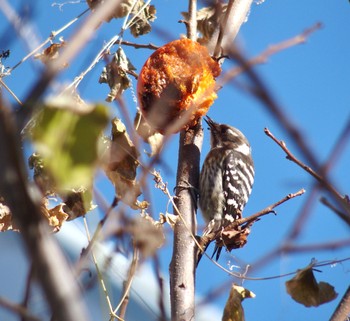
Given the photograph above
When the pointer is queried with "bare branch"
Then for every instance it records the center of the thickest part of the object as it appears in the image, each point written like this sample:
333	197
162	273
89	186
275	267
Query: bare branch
236	14
10	91
248	221
325	202
127	285
271	50
192	21
138	46
323	181
77	41
267	210
18	309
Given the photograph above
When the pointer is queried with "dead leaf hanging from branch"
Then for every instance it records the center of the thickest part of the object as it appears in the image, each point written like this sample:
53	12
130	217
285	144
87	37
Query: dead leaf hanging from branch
305	289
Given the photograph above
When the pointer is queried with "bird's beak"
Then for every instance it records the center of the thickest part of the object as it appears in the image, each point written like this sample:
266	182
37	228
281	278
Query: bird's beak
210	122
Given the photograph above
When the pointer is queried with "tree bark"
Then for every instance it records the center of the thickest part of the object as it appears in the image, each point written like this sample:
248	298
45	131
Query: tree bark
183	264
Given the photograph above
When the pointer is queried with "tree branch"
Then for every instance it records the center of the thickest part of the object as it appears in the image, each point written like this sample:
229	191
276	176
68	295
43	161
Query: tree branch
182	266
343	309
246	221
49	264
322	180
236	14
271	50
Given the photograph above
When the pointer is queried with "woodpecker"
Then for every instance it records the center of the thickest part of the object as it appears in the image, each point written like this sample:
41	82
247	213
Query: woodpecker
226	178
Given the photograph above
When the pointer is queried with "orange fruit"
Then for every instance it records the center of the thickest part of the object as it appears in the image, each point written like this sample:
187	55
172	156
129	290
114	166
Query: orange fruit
176	85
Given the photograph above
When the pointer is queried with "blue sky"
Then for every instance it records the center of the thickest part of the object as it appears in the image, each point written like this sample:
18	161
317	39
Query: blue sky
310	82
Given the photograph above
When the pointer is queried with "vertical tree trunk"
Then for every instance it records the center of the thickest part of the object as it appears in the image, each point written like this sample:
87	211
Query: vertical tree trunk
183	264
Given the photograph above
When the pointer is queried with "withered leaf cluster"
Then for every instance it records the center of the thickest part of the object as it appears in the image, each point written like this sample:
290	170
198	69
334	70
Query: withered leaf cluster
140	13
115	74
208	20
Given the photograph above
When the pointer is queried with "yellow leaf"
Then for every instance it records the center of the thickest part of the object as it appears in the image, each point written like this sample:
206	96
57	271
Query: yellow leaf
233	309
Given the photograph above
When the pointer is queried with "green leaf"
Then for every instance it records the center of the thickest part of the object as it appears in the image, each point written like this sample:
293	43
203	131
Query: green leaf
65	135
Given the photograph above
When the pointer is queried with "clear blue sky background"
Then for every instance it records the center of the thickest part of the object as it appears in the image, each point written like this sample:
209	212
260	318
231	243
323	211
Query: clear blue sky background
311	82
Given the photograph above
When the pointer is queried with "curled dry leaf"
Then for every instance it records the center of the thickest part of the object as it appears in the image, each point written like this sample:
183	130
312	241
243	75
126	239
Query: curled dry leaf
115	75
143	14
77	202
233	309
148	134
142	18
51	53
171	219
176	85
6	223
208	20
55	216
233	238
147	235
121	164
304	288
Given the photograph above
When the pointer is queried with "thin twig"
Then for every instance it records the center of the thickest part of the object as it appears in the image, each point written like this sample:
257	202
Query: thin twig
330	246
98	271
11	92
28	286
267	210
205	241
323	181
161	288
137	45
49	39
75	45
271	50
334	155
127	285
18	309
325	202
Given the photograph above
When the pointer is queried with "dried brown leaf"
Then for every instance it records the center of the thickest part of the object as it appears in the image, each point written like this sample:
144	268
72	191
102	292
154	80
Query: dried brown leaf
148	134
51	53
115	75
142	19
55	216
233	238
121	11
122	163
6	223
208	20
233	309
147	235
304	289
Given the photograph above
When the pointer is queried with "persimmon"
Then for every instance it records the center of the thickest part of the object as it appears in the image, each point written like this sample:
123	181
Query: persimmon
176	85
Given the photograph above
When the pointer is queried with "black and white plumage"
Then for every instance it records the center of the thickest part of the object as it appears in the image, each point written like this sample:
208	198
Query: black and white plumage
226	177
